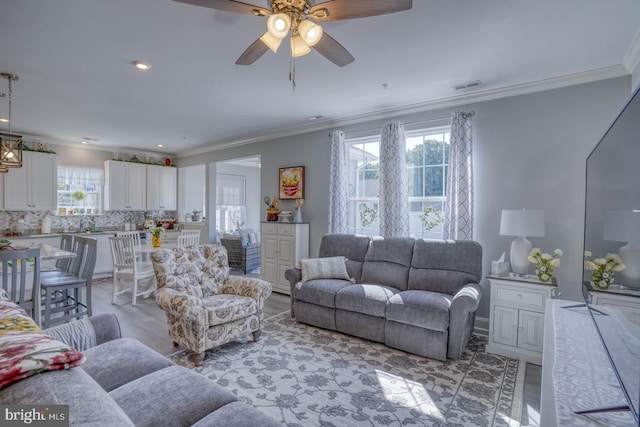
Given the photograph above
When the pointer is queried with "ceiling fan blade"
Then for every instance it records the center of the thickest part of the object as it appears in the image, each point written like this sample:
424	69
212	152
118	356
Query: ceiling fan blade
349	9
333	51
253	53
229	6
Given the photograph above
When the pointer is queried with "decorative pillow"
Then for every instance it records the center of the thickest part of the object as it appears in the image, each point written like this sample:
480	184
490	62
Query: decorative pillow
324	268
253	238
25	350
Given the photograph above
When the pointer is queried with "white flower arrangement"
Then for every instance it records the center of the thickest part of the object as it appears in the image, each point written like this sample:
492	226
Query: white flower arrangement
545	263
603	268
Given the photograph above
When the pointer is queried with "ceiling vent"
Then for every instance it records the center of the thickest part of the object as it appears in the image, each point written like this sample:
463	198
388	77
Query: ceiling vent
468	85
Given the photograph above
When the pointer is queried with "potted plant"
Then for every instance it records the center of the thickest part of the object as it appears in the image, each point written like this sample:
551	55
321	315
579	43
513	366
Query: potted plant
156	236
78	195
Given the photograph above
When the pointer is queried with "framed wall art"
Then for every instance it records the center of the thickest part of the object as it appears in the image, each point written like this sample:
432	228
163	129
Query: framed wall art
291	182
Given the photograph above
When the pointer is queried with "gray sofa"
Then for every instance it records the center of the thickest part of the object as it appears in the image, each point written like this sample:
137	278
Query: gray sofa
124	383
419	296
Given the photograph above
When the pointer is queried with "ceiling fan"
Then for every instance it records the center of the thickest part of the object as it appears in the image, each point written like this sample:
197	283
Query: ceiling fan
296	17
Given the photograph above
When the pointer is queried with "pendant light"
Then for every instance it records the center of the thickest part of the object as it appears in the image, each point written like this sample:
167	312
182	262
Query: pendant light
10	144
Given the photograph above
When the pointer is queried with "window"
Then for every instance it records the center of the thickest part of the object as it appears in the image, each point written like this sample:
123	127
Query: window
427	164
80	191
230	202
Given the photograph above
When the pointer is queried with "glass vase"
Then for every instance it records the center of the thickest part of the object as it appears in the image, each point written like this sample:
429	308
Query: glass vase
156	241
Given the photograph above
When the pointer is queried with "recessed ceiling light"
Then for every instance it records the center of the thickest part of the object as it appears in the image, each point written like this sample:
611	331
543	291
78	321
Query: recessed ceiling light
3	120
83	142
160	145
141	65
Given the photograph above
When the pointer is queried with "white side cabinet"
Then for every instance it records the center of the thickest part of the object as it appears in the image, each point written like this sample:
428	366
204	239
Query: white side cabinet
34	185
283	245
125	186
625	300
162	188
516	323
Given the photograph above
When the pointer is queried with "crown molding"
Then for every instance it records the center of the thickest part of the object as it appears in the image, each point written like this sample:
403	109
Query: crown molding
454	101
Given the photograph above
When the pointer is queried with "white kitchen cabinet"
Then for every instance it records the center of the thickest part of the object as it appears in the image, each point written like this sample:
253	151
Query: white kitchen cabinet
125	186
516	319
625	300
34	185
283	245
162	188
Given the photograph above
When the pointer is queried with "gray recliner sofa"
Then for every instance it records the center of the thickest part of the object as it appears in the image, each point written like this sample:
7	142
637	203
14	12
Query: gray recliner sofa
125	383
416	295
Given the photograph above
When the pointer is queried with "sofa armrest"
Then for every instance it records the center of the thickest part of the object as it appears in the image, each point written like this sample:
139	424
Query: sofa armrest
257	289
184	306
86	333
462	317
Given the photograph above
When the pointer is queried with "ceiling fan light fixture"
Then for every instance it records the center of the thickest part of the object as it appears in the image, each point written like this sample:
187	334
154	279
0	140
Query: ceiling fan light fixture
278	25
272	42
299	47
310	31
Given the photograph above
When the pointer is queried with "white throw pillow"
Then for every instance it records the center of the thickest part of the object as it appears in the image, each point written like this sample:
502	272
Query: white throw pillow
324	268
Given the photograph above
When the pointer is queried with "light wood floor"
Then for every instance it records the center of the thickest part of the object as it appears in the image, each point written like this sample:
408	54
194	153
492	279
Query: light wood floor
147	322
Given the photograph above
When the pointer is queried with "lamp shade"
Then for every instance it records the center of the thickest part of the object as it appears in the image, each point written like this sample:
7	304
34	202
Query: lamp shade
299	47
278	25
622	226
10	151
272	43
311	33
522	223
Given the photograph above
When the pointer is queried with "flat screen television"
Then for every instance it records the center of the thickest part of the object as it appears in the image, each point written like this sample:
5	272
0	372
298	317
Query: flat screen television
613	186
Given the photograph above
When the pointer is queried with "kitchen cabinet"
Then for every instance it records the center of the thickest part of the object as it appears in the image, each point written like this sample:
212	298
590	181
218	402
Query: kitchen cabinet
283	245
104	263
125	186
516	318
625	300
34	185
162	188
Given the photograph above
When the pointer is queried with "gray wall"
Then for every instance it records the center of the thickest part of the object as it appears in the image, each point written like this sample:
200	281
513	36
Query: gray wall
529	152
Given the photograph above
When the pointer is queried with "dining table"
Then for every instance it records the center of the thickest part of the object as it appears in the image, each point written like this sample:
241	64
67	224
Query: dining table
150	248
49	252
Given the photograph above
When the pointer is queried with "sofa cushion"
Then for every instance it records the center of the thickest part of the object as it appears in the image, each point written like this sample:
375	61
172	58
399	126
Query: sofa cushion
225	308
120	361
89	404
237	414
387	262
424	309
364	298
25	350
445	265
353	247
324	268
173	396
320	291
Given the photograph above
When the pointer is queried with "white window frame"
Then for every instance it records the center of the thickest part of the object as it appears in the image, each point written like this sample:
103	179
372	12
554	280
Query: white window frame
230	201
358	198
74	179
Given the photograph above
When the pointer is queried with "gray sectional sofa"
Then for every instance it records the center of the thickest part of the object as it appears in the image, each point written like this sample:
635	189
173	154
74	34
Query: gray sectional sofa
416	295
124	383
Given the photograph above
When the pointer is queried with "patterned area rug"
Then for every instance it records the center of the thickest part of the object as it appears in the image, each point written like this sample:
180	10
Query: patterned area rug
306	376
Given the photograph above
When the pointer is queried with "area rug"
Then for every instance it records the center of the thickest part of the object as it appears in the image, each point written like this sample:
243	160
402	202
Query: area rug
306	376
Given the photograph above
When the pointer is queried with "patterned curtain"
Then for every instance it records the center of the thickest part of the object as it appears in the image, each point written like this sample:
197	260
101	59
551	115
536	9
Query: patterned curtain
338	184
394	201
458	211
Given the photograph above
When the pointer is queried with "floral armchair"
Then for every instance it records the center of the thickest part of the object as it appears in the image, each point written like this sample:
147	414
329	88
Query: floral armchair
206	307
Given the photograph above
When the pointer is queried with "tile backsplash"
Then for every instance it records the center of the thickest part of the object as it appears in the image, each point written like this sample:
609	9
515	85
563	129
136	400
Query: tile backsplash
111	220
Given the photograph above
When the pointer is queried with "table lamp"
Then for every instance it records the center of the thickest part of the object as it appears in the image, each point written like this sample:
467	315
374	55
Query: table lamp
521	223
624	226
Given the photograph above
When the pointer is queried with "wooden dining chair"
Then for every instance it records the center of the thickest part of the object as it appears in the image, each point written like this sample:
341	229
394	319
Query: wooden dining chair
128	273
188	238
75	303
18	267
135	235
62	264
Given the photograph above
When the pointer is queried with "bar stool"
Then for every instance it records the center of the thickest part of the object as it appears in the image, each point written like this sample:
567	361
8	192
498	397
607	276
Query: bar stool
71	285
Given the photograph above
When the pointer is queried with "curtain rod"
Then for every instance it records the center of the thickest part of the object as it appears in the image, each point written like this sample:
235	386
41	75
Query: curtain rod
406	124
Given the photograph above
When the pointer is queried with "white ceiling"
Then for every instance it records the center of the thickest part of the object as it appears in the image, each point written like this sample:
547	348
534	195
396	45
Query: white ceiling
74	59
